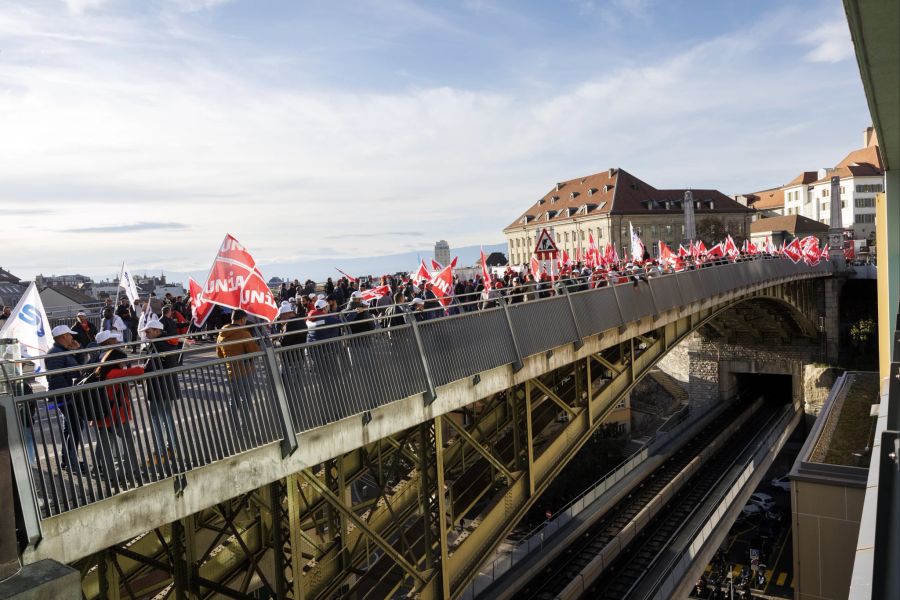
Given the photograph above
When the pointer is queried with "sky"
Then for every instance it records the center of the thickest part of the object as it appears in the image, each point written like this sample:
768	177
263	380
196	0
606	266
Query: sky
144	130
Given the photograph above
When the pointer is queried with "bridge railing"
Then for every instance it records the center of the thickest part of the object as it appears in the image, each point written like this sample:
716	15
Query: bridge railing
189	416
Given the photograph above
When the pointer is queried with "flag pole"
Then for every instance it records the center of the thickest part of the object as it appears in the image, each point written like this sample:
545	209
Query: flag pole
119	287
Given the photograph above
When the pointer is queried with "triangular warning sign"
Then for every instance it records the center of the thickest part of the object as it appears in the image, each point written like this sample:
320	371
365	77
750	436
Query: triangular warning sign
545	244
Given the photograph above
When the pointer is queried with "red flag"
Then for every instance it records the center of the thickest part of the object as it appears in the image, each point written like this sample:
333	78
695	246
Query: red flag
200	308
593	255
850	252
751	248
716	251
682	251
436	265
453	262
485	274
442	285
535	265
375	293
421	274
793	251
730	248
235	281
349	277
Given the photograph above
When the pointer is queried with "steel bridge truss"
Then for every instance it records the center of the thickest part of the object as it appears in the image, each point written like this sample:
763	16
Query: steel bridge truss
411	514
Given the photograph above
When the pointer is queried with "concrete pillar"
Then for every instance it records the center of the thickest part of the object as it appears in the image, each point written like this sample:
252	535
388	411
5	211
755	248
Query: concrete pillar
833	287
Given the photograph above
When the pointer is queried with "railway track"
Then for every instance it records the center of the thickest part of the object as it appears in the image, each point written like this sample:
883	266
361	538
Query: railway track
552	580
629	569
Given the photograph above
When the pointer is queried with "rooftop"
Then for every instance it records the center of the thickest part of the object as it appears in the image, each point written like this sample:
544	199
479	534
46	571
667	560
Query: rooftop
793	224
847	435
615	191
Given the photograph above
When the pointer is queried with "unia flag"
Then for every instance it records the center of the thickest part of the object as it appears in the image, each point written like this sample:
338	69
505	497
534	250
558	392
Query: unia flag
730	248
200	308
421	274
375	293
236	282
442	285
592	256
793	250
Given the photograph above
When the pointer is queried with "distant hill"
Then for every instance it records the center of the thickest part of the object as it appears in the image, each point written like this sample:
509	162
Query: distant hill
321	268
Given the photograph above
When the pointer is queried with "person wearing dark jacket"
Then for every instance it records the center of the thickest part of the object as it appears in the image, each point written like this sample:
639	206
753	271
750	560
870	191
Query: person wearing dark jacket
84	330
114	423
294	329
321	323
161	391
358	316
394	313
70	405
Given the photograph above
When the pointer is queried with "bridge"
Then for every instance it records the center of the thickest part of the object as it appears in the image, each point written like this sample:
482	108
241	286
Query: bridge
388	463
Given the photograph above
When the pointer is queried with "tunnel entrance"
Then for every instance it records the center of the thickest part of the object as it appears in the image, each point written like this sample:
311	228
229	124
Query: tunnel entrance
774	388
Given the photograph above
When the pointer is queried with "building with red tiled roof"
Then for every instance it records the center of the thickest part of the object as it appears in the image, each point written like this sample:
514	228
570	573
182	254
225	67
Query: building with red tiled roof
785	228
862	176
604	203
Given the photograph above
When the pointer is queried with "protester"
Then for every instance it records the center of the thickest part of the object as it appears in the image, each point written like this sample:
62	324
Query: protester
84	330
235	340
4	315
69	405
292	328
321	323
161	391
126	314
115	441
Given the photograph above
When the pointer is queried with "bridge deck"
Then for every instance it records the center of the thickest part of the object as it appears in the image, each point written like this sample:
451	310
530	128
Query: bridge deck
226	439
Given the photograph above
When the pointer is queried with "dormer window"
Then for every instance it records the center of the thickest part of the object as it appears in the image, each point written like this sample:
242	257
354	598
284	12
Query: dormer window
553	199
602	204
560	186
573	195
592	191
606	188
541	201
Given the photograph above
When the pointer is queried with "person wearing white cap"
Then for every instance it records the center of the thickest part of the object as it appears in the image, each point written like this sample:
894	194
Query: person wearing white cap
162	390
358	315
418	309
322	324
294	329
84	330
72	413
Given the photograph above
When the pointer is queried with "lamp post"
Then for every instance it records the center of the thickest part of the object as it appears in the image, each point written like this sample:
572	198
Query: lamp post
690	229
836	226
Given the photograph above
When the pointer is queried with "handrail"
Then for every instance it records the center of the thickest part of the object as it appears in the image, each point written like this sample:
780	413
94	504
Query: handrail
214	411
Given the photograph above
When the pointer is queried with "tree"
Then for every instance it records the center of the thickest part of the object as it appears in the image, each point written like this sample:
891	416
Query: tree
861	331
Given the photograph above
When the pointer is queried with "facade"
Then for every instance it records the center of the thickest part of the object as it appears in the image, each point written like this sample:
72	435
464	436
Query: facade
603	204
66	300
862	177
442	252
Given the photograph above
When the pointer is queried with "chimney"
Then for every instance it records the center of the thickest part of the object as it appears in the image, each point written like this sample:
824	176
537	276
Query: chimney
870	138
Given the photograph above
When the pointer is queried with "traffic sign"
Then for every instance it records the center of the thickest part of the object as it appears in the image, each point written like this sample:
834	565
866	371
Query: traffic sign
546	247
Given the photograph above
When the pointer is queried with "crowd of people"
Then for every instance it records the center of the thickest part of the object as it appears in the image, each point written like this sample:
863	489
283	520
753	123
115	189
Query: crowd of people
308	313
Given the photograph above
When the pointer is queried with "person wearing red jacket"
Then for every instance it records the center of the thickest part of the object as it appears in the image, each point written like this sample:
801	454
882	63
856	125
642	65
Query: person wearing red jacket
113	421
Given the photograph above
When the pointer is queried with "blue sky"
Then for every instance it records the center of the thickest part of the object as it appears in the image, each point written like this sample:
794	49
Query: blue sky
145	130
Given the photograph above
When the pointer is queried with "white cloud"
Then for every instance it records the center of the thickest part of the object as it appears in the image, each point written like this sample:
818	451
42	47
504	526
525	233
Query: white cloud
108	121
79	7
195	5
829	42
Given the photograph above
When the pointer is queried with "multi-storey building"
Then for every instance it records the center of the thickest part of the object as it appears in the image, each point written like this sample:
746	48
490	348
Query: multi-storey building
808	195
603	204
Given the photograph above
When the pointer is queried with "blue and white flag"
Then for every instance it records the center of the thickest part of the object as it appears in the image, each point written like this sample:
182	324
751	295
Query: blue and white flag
127	281
28	323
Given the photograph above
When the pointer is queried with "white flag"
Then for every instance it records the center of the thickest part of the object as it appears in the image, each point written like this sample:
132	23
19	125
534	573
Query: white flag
28	323
637	246
127	281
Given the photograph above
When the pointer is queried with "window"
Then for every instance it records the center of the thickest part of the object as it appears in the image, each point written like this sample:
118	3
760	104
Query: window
824	192
865	218
843	191
668	232
843	204
864	202
566	237
869	187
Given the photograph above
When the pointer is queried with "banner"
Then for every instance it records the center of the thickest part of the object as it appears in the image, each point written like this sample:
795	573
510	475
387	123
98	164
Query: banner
126	281
28	323
200	309
236	282
730	248
793	251
592	256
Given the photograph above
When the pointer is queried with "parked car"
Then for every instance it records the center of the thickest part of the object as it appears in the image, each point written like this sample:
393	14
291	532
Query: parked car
782	483
764	501
751	510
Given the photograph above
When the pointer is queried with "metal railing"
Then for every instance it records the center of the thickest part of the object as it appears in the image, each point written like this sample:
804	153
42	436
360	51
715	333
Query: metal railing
208	409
